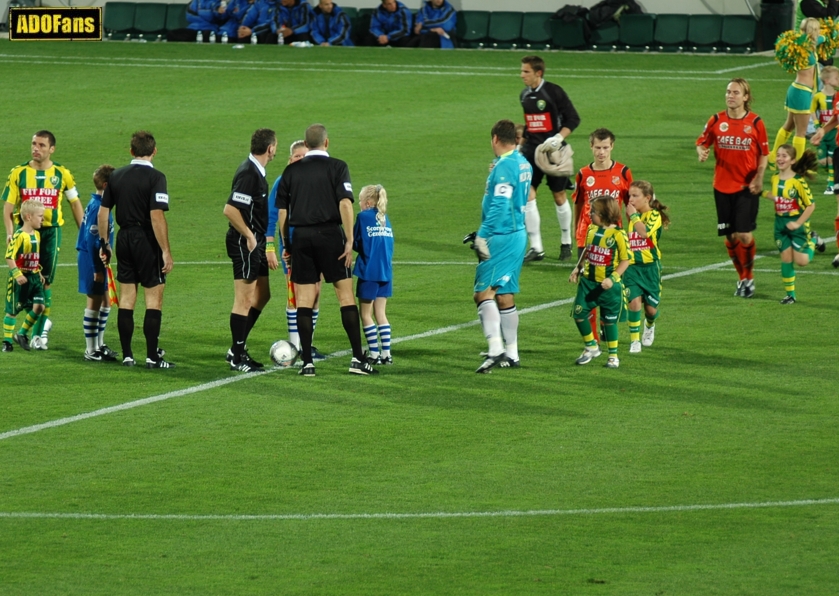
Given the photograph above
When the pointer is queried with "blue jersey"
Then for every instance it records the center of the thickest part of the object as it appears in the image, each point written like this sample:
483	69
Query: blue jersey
233	17
333	28
261	17
444	17
88	240
203	15
505	197
374	244
298	18
395	25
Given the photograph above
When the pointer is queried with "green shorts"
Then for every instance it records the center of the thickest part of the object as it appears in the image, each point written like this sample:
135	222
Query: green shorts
23	297
590	295
50	246
827	146
798	239
799	99
644	281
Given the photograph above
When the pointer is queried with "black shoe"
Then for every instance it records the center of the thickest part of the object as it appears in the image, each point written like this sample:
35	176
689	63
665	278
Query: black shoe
159	363
245	364
817	240
93	356
386	360
21	340
108	355
509	363
7	347
836	262
490	362
564	252
532	255
748	288
128	361
358	367
788	300
308	370
317	355
373	360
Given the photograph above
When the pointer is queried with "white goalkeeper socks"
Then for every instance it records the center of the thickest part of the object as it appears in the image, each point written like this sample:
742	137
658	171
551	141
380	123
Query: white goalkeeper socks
563	215
533	225
491	324
510	331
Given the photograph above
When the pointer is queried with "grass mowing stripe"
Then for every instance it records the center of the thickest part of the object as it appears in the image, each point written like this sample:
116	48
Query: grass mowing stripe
213	384
431	515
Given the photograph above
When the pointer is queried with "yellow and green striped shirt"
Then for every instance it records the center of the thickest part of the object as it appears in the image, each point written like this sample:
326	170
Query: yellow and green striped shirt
24	251
607	247
645	250
792	196
25	183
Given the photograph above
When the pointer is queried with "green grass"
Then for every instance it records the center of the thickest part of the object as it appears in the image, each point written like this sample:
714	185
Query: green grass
734	404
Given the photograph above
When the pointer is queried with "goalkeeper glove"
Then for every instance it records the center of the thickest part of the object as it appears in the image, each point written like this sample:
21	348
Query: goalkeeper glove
470	238
553	144
480	246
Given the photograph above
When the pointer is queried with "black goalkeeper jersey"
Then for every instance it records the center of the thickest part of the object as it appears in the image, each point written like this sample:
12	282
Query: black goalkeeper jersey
547	109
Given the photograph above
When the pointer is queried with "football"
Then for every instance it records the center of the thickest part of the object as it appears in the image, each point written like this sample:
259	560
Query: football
283	353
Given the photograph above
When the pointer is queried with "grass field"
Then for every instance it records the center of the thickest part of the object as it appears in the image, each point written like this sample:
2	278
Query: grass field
705	465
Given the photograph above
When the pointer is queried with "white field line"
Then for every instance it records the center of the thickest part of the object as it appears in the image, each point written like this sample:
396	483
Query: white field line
750	67
429	515
214	384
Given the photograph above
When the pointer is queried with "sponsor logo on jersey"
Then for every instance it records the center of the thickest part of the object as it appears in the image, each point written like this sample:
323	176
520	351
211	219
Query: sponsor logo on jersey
537	123
504	190
55	24
599	256
54	180
724	126
48	197
161	197
241	198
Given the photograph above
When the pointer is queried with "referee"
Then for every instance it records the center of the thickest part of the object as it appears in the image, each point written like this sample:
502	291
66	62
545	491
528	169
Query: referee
247	211
315	199
138	193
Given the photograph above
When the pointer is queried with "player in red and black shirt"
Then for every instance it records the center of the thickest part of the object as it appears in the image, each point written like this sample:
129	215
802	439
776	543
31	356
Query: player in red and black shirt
548	114
741	151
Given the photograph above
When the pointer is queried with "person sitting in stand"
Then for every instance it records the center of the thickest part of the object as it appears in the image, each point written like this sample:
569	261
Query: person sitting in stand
294	20
331	25
390	25
435	25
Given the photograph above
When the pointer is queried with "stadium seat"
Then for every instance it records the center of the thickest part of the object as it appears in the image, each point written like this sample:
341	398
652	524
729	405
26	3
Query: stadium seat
636	31
472	28
350	11
570	36
118	21
738	33
536	29
150	18
671	31
504	29
361	25
605	36
176	16
704	32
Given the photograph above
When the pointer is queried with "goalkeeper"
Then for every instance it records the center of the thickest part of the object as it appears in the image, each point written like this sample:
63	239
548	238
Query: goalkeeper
549	118
500	243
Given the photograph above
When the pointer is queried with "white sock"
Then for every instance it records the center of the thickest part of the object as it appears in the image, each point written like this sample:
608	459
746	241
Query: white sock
103	323
510	331
91	329
291	320
564	215
533	225
491	323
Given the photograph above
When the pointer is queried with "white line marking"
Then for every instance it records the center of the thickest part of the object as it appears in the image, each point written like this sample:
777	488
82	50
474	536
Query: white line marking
214	384
431	515
750	67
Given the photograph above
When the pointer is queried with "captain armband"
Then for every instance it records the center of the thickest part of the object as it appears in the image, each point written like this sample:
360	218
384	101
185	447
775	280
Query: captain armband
270	246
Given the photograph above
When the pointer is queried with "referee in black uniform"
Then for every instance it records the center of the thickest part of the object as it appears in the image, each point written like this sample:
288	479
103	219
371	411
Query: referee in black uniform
247	211
139	195
315	199
549	116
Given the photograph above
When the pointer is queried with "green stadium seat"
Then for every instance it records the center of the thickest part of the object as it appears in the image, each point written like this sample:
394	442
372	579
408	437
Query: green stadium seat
150	18
636	31
738	33
536	29
570	36
605	36
350	11
504	29
176	16
704	32
472	27
671	31
118	21
361	24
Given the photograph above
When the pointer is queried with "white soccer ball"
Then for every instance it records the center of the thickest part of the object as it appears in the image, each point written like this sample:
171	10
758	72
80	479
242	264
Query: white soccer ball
283	353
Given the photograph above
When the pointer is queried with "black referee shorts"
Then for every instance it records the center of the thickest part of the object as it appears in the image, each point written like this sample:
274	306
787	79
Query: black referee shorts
315	251
736	212
139	258
246	264
555	183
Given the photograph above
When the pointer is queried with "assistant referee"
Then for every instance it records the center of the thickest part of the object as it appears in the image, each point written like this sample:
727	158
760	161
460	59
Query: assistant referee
138	193
315	199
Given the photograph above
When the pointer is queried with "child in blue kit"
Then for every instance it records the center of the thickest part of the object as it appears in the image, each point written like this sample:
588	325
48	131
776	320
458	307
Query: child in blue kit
373	241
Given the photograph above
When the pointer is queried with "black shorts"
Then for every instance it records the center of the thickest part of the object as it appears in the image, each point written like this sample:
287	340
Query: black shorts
555	183
736	212
139	258
246	265
315	251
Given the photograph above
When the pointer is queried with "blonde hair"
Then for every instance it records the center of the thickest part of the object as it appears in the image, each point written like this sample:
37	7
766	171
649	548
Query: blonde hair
30	207
376	194
812	27
829	70
607	209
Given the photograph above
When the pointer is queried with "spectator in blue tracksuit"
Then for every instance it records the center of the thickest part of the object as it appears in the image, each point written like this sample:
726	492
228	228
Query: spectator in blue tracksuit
435	25
233	17
260	18
205	16
294	19
391	25
331	25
